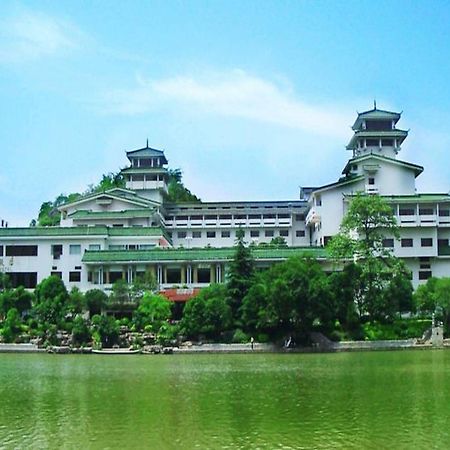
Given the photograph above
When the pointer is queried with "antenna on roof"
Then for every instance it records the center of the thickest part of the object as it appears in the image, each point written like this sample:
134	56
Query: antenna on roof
374	104
147	142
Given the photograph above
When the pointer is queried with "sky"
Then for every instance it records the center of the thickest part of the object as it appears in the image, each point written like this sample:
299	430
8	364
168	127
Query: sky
251	99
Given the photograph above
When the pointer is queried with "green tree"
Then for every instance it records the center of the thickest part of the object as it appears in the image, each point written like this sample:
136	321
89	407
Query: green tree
208	314
368	222
240	274
278	242
77	301
11	325
95	300
434	297
18	298
81	333
177	192
154	310
142	284
105	330
121	293
51	301
289	298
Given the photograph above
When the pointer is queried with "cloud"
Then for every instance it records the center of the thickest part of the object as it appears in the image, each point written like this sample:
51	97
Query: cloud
233	94
33	35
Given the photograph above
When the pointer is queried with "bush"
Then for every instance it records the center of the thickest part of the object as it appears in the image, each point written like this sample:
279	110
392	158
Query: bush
239	337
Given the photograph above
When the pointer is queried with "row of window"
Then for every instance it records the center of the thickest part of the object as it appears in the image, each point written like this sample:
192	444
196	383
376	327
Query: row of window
32	250
425	211
74	276
298	217
227	234
408	242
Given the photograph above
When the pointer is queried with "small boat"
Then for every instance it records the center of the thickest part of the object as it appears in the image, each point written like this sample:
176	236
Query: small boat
116	351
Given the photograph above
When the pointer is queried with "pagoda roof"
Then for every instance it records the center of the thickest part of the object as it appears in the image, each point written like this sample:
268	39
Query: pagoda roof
376	114
197	254
116	193
398	134
147	152
345	180
417	169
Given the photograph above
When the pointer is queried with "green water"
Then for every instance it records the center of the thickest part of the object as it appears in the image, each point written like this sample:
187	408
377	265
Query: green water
350	400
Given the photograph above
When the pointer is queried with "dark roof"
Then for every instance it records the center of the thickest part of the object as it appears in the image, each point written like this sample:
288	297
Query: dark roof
147	152
418	169
376	114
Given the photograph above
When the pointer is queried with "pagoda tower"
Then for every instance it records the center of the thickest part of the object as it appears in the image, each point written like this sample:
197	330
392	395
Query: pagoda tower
147	174
376	133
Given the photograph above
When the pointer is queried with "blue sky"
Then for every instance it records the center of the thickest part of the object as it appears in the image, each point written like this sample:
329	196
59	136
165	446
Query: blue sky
249	98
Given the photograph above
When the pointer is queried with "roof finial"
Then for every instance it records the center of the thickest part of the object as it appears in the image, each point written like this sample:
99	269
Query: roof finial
374	104
147	142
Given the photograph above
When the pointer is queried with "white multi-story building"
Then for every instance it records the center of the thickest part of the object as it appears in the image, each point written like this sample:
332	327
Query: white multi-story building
122	233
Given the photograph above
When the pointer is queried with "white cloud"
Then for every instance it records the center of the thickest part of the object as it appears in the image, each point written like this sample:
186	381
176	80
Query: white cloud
233	94
33	35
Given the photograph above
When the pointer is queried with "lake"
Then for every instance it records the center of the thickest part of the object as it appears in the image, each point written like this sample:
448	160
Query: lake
267	401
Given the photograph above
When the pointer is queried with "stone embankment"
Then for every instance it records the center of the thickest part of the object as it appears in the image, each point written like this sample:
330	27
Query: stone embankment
226	348
21	348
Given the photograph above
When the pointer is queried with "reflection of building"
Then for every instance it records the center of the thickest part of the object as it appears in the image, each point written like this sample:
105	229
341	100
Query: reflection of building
126	232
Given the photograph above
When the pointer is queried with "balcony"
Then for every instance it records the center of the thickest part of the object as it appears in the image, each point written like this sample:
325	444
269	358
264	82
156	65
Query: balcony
313	217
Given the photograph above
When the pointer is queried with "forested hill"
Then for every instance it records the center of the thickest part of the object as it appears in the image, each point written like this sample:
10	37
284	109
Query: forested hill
49	214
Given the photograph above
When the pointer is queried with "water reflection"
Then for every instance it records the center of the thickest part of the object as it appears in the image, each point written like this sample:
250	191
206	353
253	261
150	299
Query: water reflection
349	400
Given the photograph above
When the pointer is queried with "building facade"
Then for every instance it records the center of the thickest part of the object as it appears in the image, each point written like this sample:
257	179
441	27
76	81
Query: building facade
123	233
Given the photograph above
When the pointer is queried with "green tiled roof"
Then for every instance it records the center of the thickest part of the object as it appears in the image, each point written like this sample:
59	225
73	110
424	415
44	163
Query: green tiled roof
81	231
200	254
418	198
144	170
127	214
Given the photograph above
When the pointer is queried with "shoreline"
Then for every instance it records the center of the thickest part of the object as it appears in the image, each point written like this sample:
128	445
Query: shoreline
335	347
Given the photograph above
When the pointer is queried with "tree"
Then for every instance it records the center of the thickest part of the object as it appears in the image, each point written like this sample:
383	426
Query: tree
278	242
51	300
77	301
240	273
95	300
120	292
289	298
18	298
368	222
207	314
80	331
11	325
142	284
434	297
154	310
177	192
106	330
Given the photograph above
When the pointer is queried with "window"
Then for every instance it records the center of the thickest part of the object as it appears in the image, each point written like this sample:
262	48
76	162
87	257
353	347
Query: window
94	247
318	200
388	243
56	274
254	233
425	274
300	233
284	233
74	249
407	211
75	277
299	217
77	267
226	234
196	217
372	142
269	216
196	234
371	180
284	216
426	242
210	234
210	217
26	279
181	234
407	242
1	250
426	211
269	233
21	250
387	142
117	225
181	218
225	217
444	212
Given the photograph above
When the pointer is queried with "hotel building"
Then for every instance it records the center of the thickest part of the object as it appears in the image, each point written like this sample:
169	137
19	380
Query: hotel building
122	233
